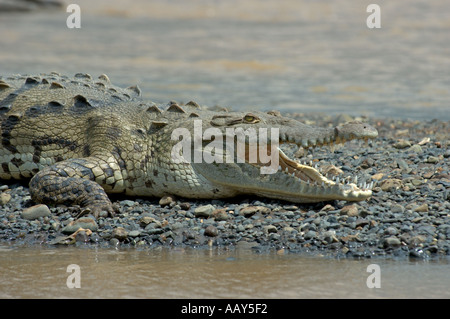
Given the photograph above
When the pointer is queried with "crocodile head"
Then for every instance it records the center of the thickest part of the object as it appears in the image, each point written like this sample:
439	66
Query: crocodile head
261	168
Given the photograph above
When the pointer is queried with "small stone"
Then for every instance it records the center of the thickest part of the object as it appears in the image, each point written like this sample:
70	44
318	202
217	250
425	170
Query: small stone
350	210
432	159
251	210
332	170
397	208
361	222
422	208
82	237
84	222
402	164
330	237
145	220
114	242
327	208
391	184
416	149
204	211
5	198
185	206
128	203
391	242
166	200
270	229
310	234
134	233
417	240
34	212
416	182
211	231
391	231
401	144
120	233
220	214
377	176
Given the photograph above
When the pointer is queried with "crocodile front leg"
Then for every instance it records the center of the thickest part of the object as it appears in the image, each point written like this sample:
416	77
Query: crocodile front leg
76	181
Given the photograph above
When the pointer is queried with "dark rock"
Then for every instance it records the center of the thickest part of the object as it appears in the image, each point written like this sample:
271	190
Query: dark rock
211	231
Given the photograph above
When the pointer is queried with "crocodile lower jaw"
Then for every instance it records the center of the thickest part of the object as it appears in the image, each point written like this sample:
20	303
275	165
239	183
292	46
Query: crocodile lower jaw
305	184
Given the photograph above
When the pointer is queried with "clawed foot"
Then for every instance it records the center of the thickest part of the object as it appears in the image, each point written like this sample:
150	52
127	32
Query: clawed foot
99	210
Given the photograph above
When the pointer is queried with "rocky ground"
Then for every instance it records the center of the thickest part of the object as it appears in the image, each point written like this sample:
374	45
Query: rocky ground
408	215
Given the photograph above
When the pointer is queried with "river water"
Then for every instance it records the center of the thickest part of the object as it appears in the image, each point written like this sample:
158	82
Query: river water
301	56
193	273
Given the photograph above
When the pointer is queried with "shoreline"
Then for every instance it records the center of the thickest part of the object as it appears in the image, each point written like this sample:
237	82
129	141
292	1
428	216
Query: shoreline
408	215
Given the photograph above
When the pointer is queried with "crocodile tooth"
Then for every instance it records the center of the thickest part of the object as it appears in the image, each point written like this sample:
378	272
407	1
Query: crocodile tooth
332	148
355	179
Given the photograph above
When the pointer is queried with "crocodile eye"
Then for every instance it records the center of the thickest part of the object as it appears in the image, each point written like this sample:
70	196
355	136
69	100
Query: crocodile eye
249	118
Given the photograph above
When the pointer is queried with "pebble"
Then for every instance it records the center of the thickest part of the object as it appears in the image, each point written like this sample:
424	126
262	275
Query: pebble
391	184
432	159
204	211
251	210
34	212
84	222
220	215
211	231
422	208
166	200
350	210
391	242
134	233
120	233
401	144
416	149
4	198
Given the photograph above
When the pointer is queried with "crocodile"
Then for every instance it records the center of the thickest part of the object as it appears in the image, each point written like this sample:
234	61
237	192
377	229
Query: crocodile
80	138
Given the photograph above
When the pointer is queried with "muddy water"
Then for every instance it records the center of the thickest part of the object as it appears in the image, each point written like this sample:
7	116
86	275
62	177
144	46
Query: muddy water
290	55
189	273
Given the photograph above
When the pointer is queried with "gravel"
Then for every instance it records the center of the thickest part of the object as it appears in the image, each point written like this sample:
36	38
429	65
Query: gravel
407	216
